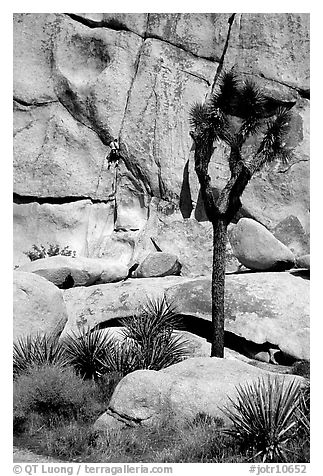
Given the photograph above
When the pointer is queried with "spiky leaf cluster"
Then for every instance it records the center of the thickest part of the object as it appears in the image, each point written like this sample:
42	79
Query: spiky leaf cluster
243	103
86	350
264	417
37	350
273	143
151	332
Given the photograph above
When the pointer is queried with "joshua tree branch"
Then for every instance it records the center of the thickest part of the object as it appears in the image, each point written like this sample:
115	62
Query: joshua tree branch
228	201
203	153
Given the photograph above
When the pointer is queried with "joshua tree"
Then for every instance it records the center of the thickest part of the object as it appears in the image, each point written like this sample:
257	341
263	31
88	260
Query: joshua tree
232	114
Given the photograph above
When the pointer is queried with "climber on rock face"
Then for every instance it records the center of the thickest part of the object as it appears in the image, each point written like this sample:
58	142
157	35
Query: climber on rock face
113	157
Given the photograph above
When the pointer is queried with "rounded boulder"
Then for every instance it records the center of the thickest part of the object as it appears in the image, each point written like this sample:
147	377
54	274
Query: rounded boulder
256	248
38	306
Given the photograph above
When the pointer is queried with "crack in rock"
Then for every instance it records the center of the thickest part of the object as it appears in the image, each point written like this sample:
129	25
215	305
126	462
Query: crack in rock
25	199
123	418
196	76
117	25
226	45
291	165
136	67
304	93
111	24
23	103
162	188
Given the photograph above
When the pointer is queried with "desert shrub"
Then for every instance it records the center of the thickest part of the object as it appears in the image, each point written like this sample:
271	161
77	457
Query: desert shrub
302	368
169	440
36	350
303	418
264	418
204	419
71	441
49	394
38	252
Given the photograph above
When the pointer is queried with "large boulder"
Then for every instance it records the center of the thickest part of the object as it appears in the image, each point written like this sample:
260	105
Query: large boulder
158	264
100	304
256	248
262	308
38	305
66	271
181	391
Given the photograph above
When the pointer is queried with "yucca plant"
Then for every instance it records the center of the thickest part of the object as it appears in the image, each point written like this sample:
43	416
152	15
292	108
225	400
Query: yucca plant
86	351
264	417
122	357
150	335
37	350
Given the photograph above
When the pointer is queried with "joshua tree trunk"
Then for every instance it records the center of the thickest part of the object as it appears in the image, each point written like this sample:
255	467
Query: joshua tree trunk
218	278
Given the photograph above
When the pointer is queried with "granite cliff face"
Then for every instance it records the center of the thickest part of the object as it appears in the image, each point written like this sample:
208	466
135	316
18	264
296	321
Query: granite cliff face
81	80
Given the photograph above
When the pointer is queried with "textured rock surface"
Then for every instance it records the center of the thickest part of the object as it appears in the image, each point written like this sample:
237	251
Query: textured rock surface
38	305
79	271
304	262
80	80
102	303
83	226
158	264
182	391
256	248
292	234
260	307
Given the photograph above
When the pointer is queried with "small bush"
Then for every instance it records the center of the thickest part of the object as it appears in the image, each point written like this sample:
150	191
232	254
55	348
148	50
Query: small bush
264	418
39	252
71	441
304	411
302	368
49	394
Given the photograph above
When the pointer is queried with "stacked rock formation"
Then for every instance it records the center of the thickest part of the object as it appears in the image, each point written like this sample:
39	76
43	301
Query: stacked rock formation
82	80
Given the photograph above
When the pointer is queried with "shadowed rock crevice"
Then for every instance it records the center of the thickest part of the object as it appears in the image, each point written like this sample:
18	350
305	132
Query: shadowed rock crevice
265	352
185	198
304	93
112	24
23	199
23	103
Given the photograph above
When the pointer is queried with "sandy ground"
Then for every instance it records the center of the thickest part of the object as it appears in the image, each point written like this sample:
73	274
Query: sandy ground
26	456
